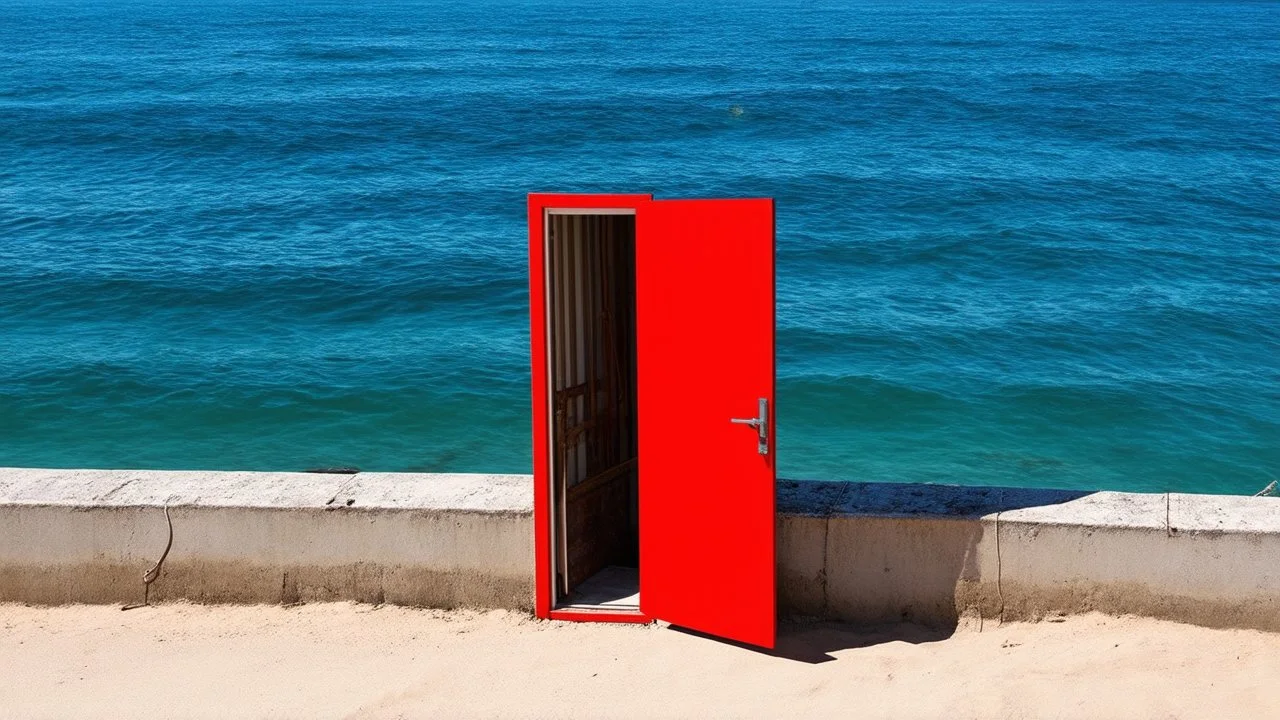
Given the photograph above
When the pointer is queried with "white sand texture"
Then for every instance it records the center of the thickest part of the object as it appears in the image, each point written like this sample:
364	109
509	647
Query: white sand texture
343	660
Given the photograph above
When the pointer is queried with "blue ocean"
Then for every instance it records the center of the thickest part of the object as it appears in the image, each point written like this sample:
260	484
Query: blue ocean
1019	243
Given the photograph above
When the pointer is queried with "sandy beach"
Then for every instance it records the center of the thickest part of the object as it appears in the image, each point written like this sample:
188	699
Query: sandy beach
359	661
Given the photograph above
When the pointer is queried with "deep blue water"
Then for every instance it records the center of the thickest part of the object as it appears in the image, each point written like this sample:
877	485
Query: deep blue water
1029	243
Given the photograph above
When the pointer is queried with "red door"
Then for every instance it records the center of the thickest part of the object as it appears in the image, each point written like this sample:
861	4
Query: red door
704	319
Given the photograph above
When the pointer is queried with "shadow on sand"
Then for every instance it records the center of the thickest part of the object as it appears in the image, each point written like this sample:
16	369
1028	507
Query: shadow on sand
813	642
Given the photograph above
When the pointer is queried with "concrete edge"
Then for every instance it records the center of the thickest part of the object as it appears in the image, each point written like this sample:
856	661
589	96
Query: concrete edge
452	492
856	552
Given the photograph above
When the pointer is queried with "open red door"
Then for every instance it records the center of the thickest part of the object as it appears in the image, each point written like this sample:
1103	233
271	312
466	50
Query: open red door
705	367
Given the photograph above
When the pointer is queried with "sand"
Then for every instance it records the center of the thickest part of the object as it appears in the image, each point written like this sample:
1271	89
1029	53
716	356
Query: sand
359	661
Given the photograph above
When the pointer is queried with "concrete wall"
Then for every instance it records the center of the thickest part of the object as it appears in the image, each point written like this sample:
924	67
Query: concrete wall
935	554
434	540
865	553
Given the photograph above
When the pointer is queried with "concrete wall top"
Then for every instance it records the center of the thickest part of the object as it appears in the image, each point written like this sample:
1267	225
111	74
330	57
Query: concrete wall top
1176	512
512	494
123	488
1224	513
440	491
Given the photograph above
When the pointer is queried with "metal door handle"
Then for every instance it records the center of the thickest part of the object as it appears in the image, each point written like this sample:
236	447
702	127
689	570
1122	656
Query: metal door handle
761	424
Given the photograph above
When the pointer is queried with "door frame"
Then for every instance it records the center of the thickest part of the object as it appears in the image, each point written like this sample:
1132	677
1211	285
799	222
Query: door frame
540	205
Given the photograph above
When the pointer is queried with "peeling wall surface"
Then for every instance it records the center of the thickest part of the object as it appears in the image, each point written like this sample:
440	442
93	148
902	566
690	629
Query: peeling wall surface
863	553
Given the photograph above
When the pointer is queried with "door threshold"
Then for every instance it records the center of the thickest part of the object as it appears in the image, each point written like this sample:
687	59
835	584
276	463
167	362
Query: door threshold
588	607
596	613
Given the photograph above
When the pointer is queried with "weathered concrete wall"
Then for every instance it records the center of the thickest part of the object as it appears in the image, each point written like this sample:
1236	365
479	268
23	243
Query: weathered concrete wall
865	553
877	553
433	540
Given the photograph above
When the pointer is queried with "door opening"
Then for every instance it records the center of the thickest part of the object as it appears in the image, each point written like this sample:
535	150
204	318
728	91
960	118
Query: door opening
591	365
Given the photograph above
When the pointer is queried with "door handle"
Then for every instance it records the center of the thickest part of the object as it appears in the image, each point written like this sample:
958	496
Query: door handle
761	424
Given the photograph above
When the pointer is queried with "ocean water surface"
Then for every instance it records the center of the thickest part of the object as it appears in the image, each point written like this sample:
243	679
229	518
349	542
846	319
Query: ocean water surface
1027	243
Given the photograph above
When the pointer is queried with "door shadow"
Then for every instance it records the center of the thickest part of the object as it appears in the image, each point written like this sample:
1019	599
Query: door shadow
814	642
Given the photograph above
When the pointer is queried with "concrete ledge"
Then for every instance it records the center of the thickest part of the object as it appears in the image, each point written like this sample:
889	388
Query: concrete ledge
864	553
430	540
871	553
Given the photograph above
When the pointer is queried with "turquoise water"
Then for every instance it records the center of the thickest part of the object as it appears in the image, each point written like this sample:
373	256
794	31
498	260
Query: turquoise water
1027	243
